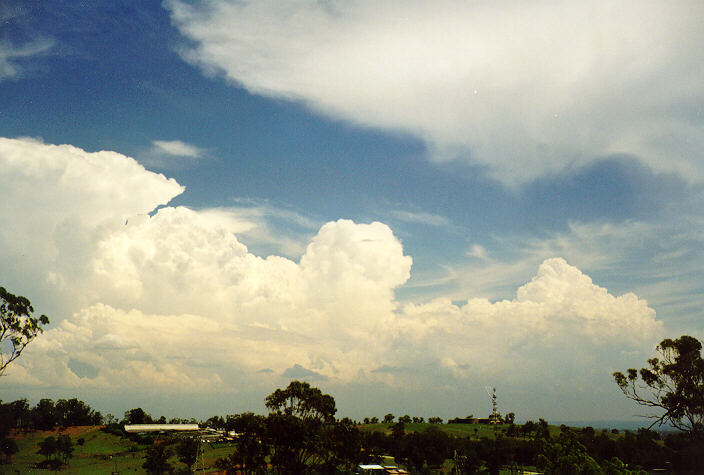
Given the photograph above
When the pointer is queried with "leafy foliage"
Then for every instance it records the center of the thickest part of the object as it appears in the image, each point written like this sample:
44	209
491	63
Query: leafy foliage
157	459
8	448
672	384
53	448
252	450
301	400
137	416
187	451
17	326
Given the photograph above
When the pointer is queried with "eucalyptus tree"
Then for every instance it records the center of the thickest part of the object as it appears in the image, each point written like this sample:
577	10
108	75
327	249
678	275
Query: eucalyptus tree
672	385
18	326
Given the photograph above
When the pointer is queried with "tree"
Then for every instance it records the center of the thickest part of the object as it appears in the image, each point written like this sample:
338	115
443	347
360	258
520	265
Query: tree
341	447
300	416
567	455
64	447
542	431
44	415
157	459
388	418
215	422
528	428
672	384
8	447
301	400
48	447
74	412
187	452
17	326
251	452
137	416
14	415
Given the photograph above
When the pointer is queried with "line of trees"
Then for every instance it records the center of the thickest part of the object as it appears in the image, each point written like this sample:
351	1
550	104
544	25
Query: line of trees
47	415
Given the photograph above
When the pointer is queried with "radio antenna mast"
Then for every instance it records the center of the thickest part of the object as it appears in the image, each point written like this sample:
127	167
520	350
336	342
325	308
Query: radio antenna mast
494	418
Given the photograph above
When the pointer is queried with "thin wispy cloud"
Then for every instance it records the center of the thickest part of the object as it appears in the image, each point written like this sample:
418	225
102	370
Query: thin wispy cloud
526	89
479	252
172	155
420	217
12	56
177	148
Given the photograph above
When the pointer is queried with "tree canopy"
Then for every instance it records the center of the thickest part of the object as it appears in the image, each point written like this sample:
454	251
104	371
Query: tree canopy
672	384
17	326
301	400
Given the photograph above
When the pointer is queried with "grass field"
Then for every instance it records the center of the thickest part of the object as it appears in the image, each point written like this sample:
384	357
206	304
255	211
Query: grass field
102	453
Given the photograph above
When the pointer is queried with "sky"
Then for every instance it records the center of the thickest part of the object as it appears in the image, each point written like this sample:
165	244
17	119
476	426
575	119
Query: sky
401	203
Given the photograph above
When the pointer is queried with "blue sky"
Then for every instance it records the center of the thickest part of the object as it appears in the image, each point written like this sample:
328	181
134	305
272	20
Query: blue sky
433	198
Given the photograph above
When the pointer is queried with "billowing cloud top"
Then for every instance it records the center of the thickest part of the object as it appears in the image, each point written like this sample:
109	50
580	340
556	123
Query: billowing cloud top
61	201
548	84
174	301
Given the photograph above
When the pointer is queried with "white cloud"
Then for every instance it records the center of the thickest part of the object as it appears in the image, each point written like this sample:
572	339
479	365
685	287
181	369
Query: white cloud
177	148
659	259
560	329
61	201
9	54
478	251
270	229
420	217
173	301
527	89
171	154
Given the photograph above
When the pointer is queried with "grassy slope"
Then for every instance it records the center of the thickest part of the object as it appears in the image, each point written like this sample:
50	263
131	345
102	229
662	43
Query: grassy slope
101	453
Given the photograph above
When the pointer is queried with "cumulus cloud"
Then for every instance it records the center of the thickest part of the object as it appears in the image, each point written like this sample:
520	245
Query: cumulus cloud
173	301
61	201
656	258
547	85
268	229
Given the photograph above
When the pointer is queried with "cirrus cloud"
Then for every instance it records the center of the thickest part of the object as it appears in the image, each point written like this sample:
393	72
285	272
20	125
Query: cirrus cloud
11	56
549	85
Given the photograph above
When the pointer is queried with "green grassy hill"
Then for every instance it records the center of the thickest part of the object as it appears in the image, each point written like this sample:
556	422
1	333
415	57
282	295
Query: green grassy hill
101	453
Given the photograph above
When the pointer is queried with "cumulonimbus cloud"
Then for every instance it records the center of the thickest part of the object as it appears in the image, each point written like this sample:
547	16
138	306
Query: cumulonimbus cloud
172	299
547	85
